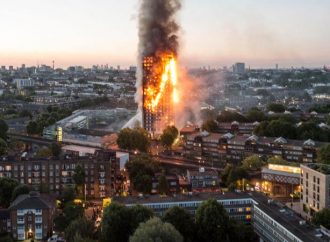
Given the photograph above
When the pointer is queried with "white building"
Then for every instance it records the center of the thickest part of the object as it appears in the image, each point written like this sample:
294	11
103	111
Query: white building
21	83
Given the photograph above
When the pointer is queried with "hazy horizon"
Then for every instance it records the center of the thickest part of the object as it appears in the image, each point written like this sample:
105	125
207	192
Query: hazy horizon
214	33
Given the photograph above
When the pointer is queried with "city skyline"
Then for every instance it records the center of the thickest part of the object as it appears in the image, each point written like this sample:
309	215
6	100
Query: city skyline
260	33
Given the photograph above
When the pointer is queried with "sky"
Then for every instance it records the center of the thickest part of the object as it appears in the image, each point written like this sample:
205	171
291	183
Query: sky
213	33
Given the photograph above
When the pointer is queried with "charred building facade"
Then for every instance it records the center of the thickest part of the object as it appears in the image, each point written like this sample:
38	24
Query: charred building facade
158	87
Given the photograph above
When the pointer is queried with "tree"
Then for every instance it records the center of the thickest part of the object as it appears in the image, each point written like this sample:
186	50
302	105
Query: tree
182	221
210	125
7	186
276	128
72	211
115	224
19	190
44	152
276	107
32	128
322	217
68	194
232	174
25	113
79	178
3	129
240	231
16	145
78	238
3	147
324	154
227	116
278	160
56	149
139	214
212	222
134	139
79	175
311	130
60	223
163	187
254	114
155	230
170	133
141	169
6	238
81	227
253	162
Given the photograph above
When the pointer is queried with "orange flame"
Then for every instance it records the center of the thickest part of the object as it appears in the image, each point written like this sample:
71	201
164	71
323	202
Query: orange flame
168	77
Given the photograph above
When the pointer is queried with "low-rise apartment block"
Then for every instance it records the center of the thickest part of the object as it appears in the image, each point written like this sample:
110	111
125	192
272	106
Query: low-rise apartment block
101	171
220	148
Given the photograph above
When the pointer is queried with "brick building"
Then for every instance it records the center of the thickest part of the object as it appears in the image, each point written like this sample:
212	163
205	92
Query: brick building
31	217
221	148
101	172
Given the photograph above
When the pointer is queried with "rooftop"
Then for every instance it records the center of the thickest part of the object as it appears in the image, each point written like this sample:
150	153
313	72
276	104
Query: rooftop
323	168
33	200
287	218
178	198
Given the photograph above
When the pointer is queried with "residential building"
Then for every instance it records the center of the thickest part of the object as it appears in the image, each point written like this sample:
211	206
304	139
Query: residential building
5	223
101	172
271	220
22	83
239	68
203	180
315	188
171	179
238	206
32	217
274	222
221	148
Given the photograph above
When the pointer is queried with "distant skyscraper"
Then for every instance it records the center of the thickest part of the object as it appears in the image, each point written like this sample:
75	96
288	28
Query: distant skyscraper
239	68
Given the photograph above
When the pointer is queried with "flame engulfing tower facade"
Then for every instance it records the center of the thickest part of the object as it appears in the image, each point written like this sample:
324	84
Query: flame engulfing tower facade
159	92
158	48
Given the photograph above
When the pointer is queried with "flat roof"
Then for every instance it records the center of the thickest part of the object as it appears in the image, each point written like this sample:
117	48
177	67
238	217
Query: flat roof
179	198
282	173
77	148
78	119
322	168
286	217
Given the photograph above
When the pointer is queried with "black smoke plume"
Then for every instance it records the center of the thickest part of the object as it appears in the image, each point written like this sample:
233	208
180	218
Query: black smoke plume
158	33
158	28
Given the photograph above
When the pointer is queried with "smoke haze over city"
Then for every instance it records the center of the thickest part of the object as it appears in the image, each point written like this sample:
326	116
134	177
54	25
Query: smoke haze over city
260	33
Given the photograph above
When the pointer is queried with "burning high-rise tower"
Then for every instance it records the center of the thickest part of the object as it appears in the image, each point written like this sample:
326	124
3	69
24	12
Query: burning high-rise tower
159	92
157	81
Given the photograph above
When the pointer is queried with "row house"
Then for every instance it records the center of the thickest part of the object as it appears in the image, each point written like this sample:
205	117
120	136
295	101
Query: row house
221	148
